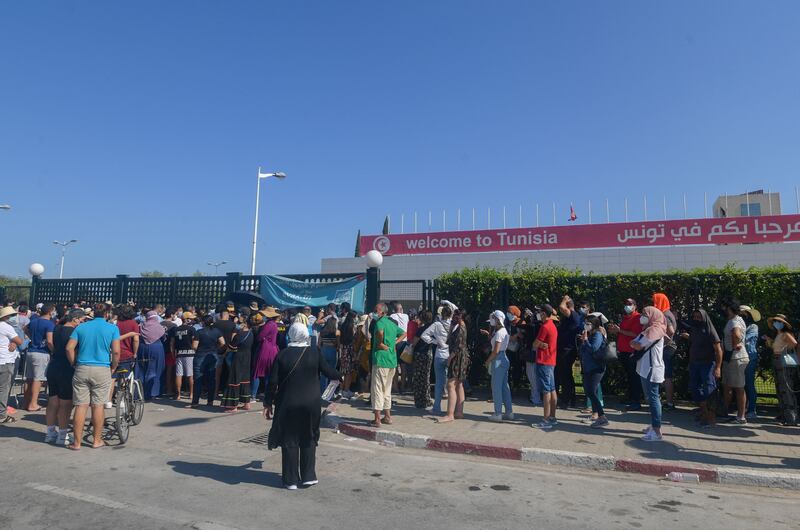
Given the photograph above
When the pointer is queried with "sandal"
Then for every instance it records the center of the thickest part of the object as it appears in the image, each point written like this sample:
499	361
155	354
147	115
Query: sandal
375	424
9	419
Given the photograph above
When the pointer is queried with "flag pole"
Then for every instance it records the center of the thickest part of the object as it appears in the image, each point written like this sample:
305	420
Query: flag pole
705	204
402	223
645	207
747	201
489	218
537	215
608	213
626	209
769	198
415	222
458	219
797	198
590	211
473	218
685	209
444	220
520	216
665	207
554	214
504	217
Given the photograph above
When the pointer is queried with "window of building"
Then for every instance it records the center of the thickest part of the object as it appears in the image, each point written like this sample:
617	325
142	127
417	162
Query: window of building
754	209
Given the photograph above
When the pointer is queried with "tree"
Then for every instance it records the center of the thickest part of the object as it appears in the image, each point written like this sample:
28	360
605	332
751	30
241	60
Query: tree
358	244
152	274
385	230
197	274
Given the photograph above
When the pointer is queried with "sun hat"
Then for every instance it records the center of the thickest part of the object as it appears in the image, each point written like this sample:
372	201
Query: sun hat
778	318
755	314
7	312
498	315
270	312
601	316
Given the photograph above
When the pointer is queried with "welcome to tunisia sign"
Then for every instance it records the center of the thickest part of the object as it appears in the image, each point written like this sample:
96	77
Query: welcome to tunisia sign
767	229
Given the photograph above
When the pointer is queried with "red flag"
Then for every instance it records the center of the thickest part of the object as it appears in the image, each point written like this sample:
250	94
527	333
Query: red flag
572	215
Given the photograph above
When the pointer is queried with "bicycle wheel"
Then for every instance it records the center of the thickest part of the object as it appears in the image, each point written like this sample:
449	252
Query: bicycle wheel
123	417
138	403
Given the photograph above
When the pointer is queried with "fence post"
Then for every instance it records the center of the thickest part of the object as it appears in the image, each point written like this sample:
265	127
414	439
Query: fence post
121	289
373	287
232	282
32	294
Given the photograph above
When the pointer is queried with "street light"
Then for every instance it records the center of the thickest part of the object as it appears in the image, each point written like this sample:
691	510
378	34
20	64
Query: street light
278	175
216	265
64	245
5	206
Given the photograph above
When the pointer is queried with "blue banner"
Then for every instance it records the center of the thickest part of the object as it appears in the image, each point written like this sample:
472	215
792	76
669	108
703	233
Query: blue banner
283	292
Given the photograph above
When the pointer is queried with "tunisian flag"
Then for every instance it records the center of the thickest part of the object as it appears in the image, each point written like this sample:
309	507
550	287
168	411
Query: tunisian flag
572	215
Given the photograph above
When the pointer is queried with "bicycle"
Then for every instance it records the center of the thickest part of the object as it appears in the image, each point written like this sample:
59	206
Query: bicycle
129	400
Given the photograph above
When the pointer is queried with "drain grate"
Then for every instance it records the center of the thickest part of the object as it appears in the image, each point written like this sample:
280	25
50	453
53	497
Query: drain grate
258	439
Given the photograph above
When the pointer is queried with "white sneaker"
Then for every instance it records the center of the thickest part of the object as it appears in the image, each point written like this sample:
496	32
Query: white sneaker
50	436
291	487
509	416
108	405
497	418
64	439
310	483
652	436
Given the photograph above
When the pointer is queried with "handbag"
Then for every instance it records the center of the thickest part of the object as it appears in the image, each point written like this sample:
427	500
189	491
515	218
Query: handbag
788	359
408	354
606	353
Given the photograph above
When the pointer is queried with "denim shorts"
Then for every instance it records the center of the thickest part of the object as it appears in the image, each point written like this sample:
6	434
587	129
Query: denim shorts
546	376
702	382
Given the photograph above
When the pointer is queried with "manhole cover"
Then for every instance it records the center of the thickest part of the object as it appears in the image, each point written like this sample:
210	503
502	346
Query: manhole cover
258	439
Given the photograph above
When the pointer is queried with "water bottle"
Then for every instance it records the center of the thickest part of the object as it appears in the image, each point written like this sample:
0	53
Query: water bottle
676	476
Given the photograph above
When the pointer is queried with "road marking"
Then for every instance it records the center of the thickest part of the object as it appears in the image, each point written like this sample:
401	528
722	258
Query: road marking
151	511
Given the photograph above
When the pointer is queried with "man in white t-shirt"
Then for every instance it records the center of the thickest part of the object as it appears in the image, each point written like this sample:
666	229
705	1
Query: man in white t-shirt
734	360
9	342
402	376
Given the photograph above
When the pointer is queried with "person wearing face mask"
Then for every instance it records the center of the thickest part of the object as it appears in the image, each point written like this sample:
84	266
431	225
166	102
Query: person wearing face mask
705	362
661	302
267	347
545	346
734	363
593	369
649	345
785	362
237	390
533	321
9	342
568	330
751	316
40	330
498	364
514	326
629	328
437	334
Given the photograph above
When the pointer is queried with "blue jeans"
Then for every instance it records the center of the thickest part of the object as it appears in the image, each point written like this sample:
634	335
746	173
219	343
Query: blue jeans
599	395
330	356
440	374
205	371
255	385
750	385
501	391
593	389
652	393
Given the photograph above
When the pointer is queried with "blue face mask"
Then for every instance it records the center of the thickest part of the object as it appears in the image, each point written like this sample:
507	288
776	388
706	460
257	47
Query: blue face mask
375	316
583	311
778	325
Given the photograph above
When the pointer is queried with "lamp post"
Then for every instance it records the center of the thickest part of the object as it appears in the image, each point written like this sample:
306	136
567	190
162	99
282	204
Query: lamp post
374	260
216	265
278	175
5	206
64	245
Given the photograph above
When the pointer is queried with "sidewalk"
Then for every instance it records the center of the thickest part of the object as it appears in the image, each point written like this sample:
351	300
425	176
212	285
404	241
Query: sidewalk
761	453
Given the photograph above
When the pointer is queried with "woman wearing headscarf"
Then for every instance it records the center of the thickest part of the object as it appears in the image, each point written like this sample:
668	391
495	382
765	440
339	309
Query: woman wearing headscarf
661	302
237	391
294	392
267	349
457	369
649	347
705	364
787	380
751	316
151	354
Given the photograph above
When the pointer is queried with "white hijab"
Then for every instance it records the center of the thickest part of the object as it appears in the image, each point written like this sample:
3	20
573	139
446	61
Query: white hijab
298	335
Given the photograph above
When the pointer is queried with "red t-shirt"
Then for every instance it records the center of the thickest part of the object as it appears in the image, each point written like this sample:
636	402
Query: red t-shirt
629	323
126	346
549	335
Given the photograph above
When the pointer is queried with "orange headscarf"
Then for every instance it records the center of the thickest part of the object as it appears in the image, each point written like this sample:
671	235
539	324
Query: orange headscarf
661	302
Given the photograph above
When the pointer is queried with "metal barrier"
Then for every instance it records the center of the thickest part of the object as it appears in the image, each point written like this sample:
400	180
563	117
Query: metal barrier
413	294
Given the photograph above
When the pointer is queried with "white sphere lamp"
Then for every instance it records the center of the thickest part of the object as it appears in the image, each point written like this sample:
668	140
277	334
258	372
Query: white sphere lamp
36	269
374	258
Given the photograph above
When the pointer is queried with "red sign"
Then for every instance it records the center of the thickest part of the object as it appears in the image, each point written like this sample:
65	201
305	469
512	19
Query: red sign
767	229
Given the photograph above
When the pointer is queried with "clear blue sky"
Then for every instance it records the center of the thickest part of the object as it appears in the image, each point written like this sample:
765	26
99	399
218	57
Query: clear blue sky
137	127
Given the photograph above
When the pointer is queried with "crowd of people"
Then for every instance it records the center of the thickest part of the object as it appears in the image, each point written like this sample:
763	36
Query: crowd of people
235	355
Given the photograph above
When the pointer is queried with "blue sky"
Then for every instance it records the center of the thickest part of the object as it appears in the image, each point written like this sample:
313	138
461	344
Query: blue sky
137	127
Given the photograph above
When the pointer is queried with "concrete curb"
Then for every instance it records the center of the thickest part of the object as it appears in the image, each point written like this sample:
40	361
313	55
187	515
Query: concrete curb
721	475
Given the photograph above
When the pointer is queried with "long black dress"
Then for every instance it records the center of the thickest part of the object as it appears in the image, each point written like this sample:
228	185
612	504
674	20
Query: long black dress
294	391
237	391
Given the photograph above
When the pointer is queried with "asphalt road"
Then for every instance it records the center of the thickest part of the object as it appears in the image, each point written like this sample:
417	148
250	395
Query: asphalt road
205	470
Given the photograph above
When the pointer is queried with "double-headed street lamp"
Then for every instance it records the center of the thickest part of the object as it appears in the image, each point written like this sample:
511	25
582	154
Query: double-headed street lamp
64	245
5	206
278	175
216	265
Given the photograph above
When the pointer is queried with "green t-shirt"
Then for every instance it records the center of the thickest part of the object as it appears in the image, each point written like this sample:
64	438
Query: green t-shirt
385	358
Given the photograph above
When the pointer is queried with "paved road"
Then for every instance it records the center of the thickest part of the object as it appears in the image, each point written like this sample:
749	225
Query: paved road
191	469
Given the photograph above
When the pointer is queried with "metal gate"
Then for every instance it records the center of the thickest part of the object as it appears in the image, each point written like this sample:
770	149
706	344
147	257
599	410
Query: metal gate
413	294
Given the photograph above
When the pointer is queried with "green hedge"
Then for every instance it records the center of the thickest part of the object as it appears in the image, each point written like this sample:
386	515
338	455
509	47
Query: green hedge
770	290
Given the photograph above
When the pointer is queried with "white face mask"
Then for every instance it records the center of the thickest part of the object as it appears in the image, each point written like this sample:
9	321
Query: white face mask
511	317
588	327
643	320
628	309
583	311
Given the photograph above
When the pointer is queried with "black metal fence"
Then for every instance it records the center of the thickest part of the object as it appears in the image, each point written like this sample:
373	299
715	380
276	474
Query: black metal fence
413	294
201	292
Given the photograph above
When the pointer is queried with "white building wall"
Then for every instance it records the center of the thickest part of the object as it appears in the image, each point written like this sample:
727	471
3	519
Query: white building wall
598	261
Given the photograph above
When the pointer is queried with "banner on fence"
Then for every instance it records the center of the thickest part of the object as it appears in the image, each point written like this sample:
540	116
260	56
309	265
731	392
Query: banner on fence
766	229
284	292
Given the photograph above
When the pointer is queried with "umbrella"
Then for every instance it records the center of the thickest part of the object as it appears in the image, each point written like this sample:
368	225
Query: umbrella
245	298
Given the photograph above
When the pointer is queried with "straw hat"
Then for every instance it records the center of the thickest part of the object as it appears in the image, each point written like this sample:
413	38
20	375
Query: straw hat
7	312
270	312
778	318
755	314
188	315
